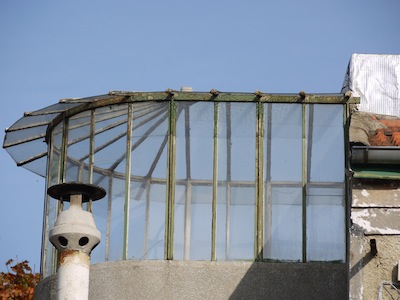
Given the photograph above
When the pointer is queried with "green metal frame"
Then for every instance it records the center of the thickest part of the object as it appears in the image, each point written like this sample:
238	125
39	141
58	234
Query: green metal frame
172	97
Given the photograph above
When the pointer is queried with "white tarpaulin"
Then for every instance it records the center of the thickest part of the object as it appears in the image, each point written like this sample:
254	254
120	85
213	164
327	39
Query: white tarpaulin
375	78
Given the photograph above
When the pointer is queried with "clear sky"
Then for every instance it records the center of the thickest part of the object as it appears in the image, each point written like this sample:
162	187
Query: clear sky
65	49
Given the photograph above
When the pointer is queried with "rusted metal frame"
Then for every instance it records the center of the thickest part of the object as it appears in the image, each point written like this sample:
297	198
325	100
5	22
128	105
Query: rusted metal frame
237	97
188	189
121	112
215	186
348	193
61	179
304	177
127	157
259	184
139	141
169	214
268	186
109	208
91	152
46	207
162	96
228	175
81	108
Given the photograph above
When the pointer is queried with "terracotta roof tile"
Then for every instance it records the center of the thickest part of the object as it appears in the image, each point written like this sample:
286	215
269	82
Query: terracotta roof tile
389	136
374	129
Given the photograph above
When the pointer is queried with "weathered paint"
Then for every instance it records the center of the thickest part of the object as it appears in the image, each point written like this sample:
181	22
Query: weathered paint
73	276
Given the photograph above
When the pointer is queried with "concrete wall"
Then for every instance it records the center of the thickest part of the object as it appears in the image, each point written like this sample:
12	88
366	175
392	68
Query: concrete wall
210	280
375	214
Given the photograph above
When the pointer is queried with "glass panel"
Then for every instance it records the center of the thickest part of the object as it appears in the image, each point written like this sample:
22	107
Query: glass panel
193	202
236	164
117	219
200	225
285	142
283	234
241	221
100	214
147	200
110	139
326	239
327	153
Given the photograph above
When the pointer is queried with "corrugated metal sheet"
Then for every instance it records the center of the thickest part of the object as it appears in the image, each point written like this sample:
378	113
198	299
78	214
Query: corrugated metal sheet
375	78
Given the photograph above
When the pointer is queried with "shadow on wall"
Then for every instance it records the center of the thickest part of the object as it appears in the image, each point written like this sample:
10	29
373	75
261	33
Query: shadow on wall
294	281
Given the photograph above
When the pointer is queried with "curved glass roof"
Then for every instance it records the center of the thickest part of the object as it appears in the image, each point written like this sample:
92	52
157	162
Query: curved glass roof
26	139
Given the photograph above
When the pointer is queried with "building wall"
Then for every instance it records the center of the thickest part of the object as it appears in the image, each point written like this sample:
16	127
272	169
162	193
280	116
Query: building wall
210	280
375	214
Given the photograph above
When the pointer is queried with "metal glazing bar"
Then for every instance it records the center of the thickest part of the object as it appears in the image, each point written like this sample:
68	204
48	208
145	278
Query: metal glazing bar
215	187
91	153
127	181
310	139
347	177
259	211
169	218
45	225
304	182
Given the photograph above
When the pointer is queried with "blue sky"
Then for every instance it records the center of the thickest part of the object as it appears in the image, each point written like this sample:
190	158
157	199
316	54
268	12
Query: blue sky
62	49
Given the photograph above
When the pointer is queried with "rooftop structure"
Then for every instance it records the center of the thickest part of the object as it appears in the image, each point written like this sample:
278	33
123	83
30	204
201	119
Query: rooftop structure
219	195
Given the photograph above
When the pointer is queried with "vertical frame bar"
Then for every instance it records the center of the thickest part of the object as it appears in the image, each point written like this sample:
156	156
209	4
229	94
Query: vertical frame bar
91	153
348	194
259	211
169	218
45	224
215	187
127	181
304	181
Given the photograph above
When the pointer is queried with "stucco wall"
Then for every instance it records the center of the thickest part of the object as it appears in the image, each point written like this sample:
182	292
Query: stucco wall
375	214
210	280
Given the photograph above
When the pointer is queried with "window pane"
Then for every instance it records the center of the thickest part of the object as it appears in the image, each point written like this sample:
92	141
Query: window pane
194	163
283	231
147	200
325	224
327	153
285	142
241	223
236	181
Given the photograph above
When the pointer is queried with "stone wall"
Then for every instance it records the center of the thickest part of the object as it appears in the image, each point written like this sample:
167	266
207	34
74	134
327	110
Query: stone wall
375	216
211	280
